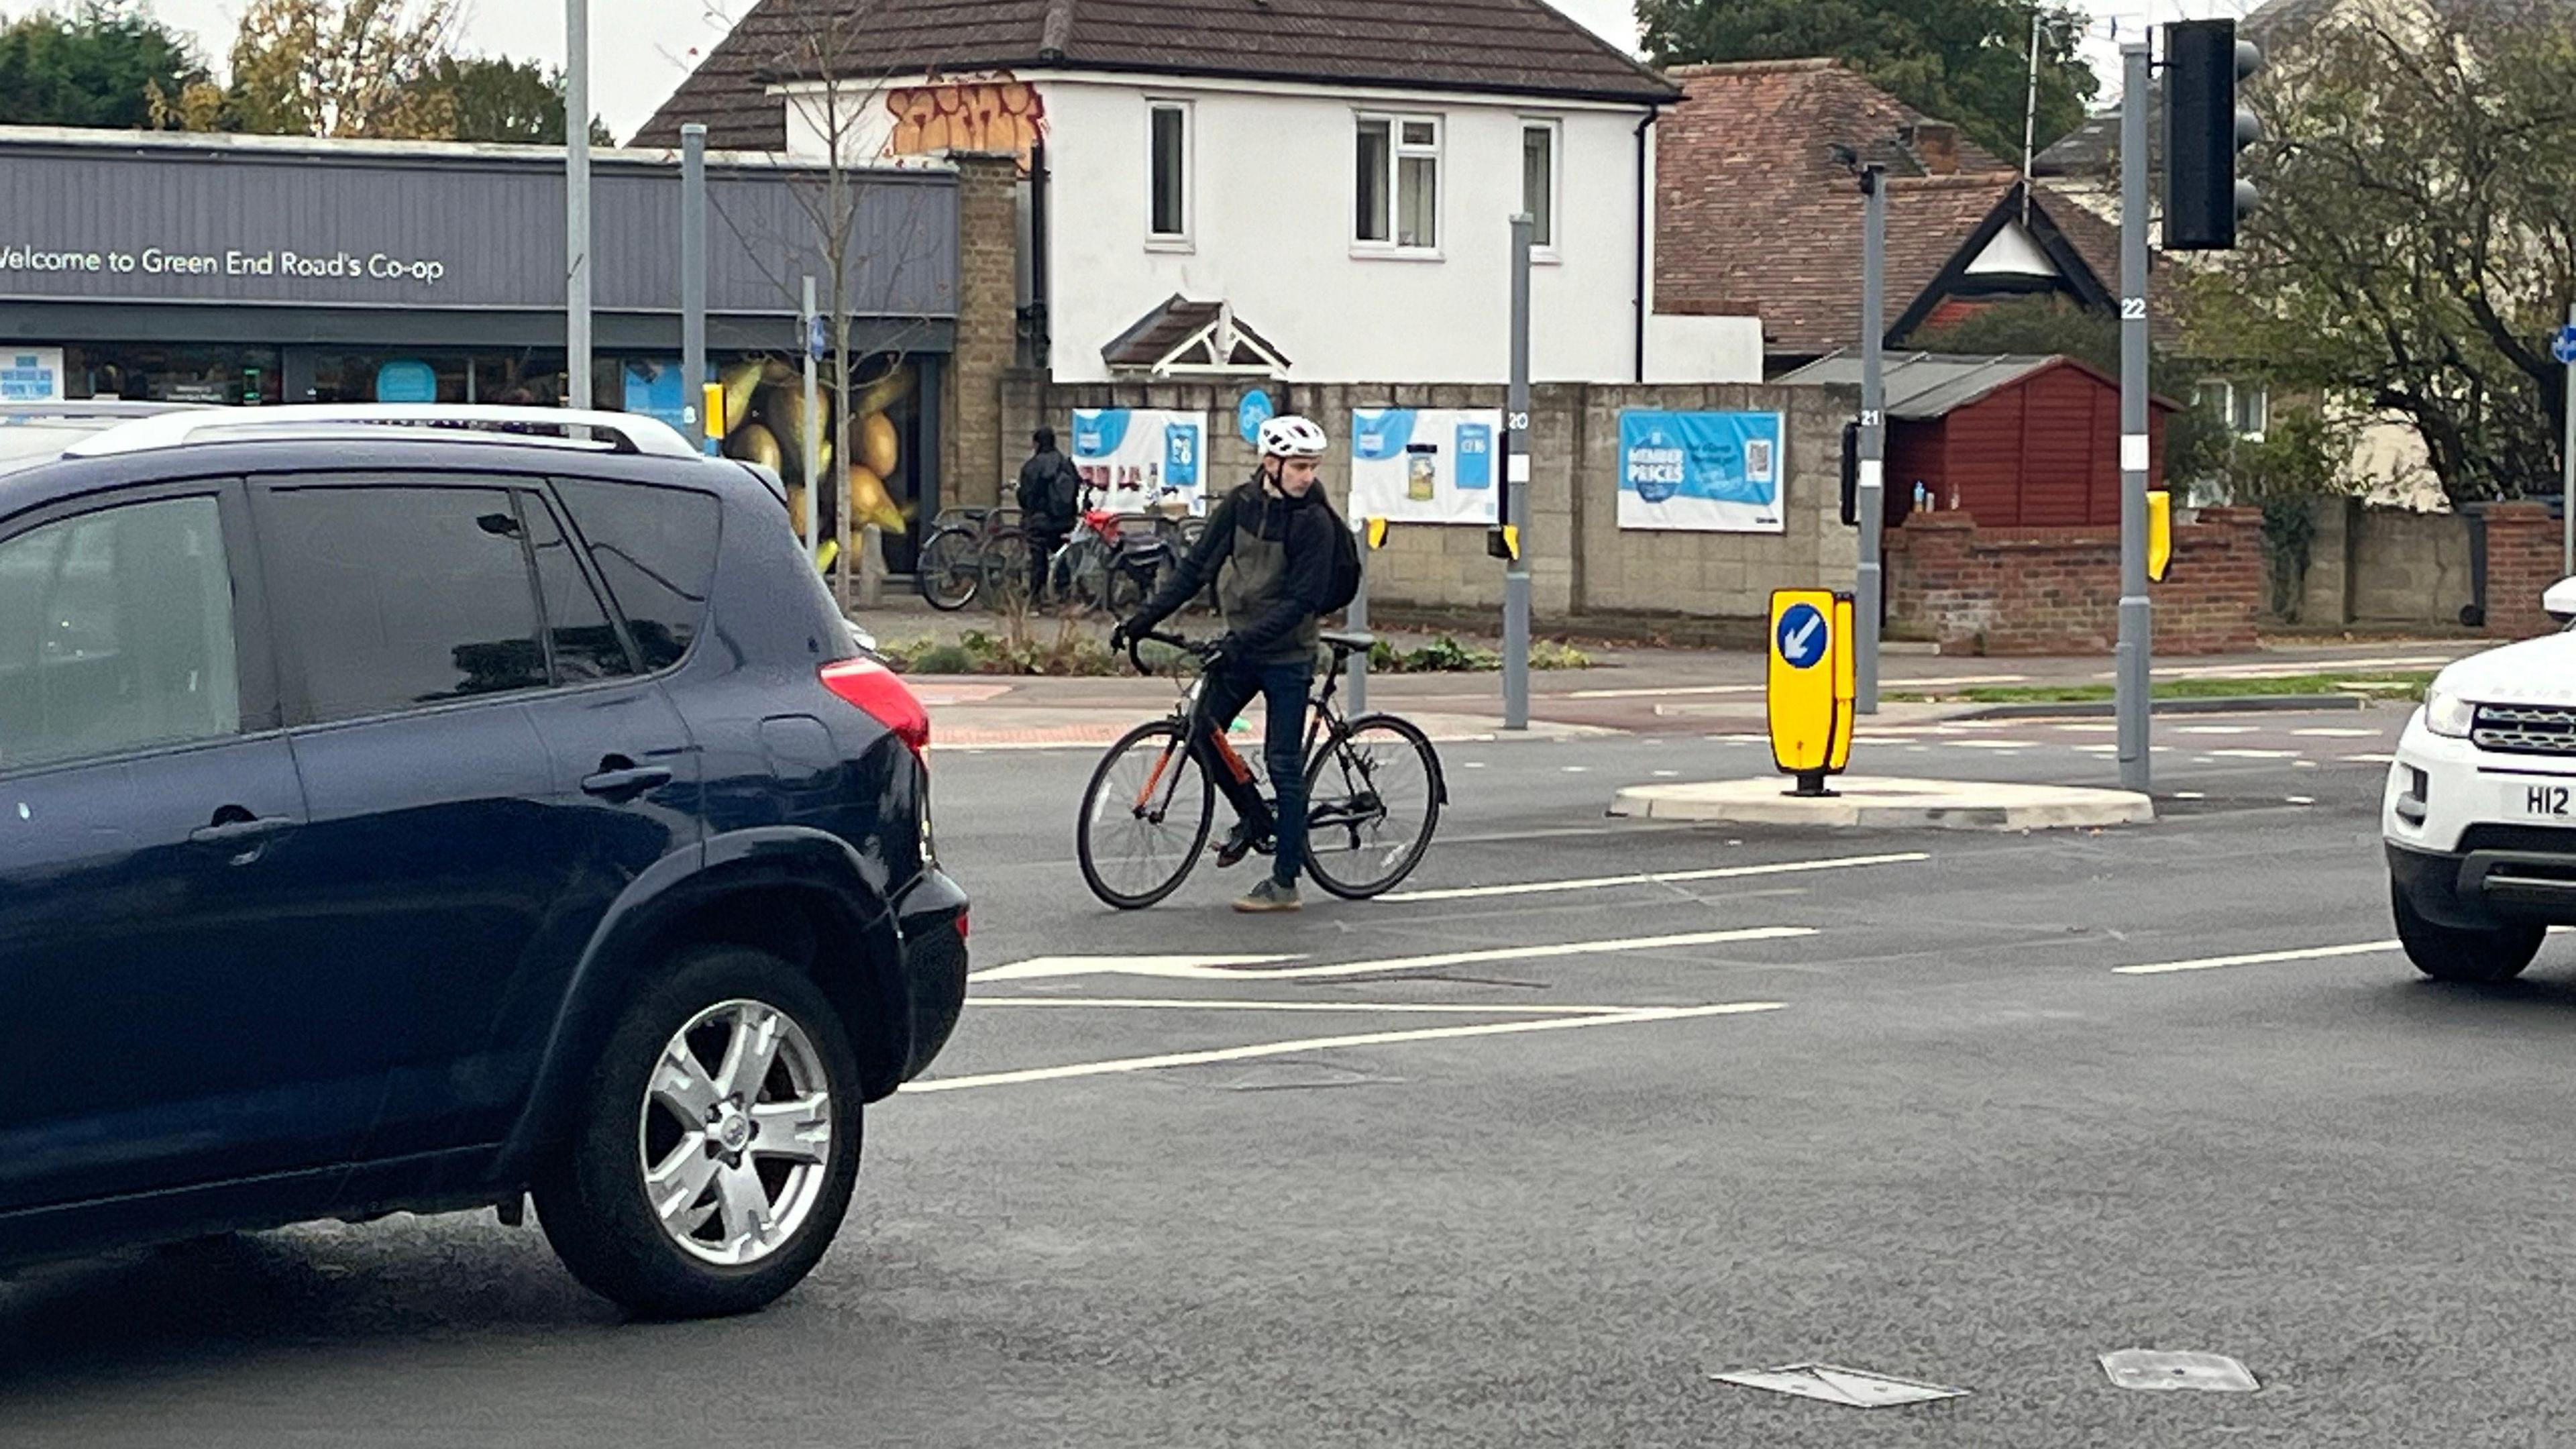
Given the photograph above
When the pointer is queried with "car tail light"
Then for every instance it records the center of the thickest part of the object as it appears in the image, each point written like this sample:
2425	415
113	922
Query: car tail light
882	693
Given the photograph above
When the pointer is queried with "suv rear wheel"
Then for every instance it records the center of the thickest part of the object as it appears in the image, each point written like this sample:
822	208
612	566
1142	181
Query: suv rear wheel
714	1159
2448	953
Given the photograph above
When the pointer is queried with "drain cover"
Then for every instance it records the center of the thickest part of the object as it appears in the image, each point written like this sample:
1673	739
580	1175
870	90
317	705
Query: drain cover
1857	1388
2210	1373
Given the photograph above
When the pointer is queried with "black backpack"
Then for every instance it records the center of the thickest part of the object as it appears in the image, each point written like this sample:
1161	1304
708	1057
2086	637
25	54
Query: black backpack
1345	584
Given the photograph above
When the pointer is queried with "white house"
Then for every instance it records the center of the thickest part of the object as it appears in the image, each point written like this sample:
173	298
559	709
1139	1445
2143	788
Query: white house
1316	190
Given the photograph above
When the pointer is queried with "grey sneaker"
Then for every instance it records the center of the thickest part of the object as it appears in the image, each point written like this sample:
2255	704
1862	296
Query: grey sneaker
1270	895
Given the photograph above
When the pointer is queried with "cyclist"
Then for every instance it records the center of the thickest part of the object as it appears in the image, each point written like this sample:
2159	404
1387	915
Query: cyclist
1050	498
1270	544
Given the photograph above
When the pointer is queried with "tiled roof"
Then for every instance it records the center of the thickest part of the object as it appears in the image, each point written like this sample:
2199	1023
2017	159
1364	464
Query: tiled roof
1503	47
1758	212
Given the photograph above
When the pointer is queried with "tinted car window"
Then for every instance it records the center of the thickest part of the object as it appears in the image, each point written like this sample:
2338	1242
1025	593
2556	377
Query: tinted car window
116	633
586	646
394	597
656	547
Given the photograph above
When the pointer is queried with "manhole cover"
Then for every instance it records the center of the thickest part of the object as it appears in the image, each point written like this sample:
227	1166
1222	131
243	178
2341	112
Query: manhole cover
2147	1369
1856	1388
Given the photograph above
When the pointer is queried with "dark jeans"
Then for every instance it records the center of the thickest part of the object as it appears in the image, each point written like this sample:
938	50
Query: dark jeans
1044	540
1284	687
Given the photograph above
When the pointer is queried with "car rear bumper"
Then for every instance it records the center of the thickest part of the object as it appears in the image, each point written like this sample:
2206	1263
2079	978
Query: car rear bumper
932	914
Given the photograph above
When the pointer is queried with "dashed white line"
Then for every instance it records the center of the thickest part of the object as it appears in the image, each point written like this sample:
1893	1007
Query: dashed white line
2216	730
1229	1003
2259	958
1123	1065
2254	754
2370	759
2327	734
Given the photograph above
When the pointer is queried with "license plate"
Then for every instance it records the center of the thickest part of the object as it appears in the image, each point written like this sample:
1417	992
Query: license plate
2542	802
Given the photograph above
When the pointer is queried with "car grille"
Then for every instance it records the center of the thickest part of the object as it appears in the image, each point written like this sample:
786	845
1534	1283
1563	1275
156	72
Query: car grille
2526	729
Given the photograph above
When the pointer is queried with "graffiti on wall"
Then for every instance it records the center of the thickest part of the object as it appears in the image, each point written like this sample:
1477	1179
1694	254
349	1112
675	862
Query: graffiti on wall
997	114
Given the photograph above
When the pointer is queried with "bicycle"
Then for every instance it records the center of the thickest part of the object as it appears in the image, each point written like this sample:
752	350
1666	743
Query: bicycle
1374	791
968	553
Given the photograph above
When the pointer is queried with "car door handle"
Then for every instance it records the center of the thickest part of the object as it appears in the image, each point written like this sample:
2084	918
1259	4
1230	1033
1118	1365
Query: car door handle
242	831
627	783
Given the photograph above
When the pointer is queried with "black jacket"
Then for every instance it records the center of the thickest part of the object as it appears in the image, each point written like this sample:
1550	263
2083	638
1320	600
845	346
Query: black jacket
1270	611
1050	493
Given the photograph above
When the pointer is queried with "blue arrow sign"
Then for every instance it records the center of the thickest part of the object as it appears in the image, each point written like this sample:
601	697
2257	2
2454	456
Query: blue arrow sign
2563	346
1803	636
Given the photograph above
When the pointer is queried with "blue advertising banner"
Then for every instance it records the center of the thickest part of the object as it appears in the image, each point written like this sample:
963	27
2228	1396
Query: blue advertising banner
1142	461
1423	465
1700	472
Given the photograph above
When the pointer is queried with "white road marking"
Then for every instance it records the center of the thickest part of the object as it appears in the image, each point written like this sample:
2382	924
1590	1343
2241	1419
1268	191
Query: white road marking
1578	769
1680	690
1991	744
1667	774
2259	958
1602	882
2323	734
1188	968
1225	1003
1123	1065
2216	730
2089	729
2370	759
2189	795
2302	799
2254	754
1131	965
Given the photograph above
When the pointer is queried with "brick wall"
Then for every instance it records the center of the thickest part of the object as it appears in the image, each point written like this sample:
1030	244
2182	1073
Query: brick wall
2057	590
978	451
2523	557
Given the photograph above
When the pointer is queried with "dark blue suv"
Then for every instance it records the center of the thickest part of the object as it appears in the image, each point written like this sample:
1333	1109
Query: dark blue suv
400	816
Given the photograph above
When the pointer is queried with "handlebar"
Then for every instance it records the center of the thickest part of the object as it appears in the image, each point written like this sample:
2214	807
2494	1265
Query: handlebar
1203	651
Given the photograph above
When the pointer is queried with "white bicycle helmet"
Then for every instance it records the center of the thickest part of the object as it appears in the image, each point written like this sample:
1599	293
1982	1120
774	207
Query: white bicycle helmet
1292	437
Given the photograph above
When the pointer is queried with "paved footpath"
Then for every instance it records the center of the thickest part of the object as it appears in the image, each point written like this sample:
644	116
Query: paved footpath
1633	691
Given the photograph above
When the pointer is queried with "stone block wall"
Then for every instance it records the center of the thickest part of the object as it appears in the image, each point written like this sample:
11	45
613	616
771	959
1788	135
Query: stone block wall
2057	590
1581	562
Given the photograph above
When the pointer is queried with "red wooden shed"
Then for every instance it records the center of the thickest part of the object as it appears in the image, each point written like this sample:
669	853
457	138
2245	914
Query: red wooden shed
2013	441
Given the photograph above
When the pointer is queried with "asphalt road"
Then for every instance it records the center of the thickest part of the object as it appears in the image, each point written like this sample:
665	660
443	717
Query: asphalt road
1909	1116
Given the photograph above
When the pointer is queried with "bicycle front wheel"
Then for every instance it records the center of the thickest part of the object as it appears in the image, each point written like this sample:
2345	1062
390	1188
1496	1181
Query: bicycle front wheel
1007	567
950	570
1373	797
1145	817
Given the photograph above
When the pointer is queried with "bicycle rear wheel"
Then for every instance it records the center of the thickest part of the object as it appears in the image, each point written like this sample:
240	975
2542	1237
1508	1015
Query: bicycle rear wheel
1373	797
950	572
1145	817
1006	566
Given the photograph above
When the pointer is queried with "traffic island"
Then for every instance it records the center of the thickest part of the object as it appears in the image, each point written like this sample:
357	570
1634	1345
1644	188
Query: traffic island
1876	803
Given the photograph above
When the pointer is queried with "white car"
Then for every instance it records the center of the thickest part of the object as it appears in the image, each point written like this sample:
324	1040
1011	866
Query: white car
2480	814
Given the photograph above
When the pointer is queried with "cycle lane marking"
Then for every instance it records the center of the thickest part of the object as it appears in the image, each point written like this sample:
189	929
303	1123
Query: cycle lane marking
1124	1065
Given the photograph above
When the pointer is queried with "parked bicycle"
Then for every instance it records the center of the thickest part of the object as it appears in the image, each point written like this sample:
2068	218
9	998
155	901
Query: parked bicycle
965	555
1374	791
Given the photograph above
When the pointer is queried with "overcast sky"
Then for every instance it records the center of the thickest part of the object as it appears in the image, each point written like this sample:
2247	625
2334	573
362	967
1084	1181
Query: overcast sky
641	48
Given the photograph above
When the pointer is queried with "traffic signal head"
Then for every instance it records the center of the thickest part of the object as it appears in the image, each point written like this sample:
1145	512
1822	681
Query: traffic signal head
2204	130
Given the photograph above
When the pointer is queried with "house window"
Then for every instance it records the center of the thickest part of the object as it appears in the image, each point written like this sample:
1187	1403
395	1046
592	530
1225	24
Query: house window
1399	182
2245	407
1538	181
1168	171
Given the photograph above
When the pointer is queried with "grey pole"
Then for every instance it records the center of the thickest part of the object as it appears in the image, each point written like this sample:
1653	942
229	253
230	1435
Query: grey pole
577	199
2567	468
1516	479
811	444
693	278
1357	670
2137	619
1872	582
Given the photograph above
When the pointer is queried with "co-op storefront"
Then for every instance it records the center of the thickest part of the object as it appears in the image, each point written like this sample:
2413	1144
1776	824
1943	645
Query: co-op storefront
258	270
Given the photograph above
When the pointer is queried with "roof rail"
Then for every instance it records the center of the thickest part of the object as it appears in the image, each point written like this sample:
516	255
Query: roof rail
626	432
86	409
